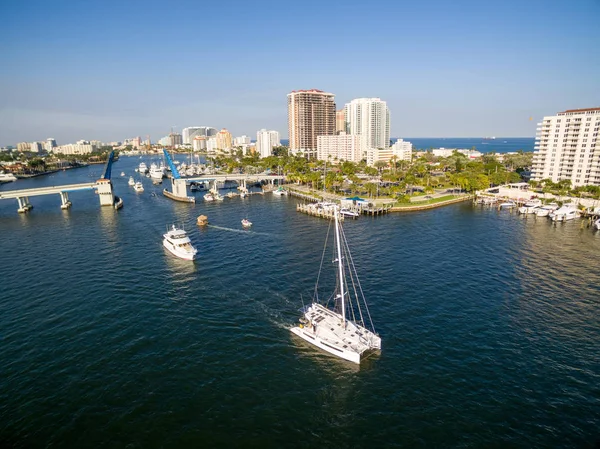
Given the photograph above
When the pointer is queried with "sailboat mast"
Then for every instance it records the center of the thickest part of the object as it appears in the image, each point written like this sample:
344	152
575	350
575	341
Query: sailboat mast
340	266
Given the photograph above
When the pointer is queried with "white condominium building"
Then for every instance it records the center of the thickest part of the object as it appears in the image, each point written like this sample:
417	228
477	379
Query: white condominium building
566	147
266	141
344	146
211	144
311	113
369	118
402	150
241	141
74	148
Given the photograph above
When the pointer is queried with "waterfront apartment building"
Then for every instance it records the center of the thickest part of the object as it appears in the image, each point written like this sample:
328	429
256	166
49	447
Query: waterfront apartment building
241	141
266	141
340	122
211	144
343	146
224	139
191	132
369	118
81	147
311	113
566	147
23	146
402	150
50	144
199	143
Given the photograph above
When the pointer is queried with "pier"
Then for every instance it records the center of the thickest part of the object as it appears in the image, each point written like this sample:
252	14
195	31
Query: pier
102	186
317	210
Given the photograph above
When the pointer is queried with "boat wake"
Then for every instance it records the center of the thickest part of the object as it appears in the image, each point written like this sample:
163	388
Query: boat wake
241	231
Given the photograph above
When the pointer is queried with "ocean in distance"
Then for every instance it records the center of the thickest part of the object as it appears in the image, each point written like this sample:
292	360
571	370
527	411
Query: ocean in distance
490	325
497	145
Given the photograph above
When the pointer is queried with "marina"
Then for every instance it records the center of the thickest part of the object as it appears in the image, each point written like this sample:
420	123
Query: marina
474	306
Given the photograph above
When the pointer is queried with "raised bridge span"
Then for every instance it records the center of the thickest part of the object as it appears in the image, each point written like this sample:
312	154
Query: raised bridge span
178	190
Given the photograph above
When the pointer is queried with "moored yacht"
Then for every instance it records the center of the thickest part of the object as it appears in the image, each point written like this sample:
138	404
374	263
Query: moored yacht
565	213
179	244
280	191
530	207
7	177
143	168
547	209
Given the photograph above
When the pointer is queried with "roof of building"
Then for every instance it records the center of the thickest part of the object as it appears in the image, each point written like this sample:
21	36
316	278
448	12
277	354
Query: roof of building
580	110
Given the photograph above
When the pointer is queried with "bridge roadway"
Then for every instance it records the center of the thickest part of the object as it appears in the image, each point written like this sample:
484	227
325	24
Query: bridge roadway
22	196
232	177
6	194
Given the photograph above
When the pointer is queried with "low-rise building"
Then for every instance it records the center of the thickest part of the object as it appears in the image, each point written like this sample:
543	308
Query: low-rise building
340	147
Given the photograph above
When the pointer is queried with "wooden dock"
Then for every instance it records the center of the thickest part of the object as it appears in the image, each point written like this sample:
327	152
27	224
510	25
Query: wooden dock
316	211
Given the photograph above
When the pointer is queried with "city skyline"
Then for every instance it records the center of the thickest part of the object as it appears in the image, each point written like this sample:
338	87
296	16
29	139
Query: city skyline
108	70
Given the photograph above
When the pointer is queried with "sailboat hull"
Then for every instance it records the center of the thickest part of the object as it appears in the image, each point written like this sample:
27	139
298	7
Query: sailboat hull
326	330
305	334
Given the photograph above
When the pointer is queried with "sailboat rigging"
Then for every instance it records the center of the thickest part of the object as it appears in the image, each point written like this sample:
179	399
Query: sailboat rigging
347	330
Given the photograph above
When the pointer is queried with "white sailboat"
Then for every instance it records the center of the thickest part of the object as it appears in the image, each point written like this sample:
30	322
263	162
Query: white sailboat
341	331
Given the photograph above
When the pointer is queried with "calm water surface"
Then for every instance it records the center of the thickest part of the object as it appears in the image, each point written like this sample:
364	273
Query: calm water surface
490	326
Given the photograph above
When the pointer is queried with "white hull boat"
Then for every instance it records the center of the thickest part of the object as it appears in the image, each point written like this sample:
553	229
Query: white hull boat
209	197
565	213
349	213
246	223
179	244
131	181
507	205
546	210
143	168
597	224
138	187
7	177
280	191
345	331
530	207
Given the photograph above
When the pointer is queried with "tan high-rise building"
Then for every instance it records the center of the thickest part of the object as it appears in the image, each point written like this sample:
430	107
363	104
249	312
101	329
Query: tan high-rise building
340	121
311	113
224	139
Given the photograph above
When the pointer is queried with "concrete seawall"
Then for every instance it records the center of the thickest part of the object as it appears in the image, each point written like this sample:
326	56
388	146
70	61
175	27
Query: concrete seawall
431	206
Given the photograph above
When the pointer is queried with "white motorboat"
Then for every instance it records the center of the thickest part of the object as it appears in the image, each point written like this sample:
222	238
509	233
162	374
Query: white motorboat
530	206
565	213
138	187
280	191
179	244
597	224
143	168
122	173
341	331
246	223
208	197
349	212
546	210
157	172
7	177
507	205
131	181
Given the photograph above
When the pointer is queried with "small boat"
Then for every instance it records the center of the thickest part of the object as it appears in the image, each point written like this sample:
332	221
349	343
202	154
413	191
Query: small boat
507	205
597	224
143	168
179	244
7	177
230	195
243	194
565	213
280	191
530	206
209	197
131	181
202	220
118	204
546	210
349	212
138	187
246	223
122	173
346	330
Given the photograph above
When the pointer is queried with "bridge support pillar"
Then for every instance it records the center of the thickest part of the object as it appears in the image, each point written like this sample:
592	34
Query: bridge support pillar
64	198
22	205
179	187
105	193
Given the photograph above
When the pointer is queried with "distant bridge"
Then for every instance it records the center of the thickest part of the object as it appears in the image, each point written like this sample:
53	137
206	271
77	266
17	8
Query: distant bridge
103	187
178	184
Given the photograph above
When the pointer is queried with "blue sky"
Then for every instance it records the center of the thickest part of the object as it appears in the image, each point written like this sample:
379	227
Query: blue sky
110	70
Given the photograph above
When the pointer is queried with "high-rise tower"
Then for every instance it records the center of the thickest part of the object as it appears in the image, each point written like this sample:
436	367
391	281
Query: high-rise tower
311	113
369	118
